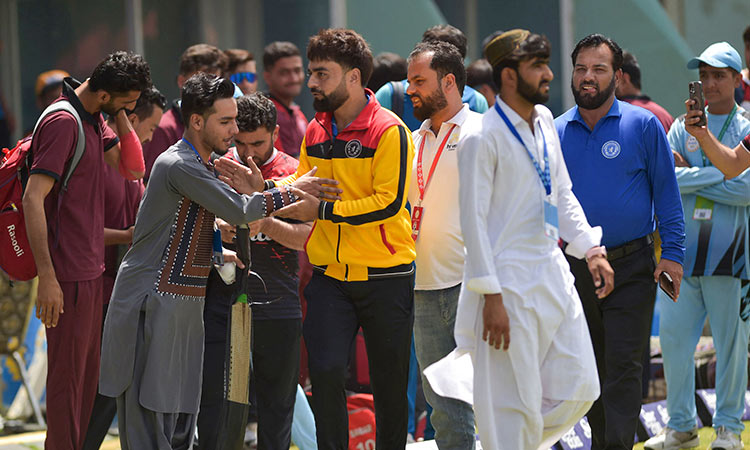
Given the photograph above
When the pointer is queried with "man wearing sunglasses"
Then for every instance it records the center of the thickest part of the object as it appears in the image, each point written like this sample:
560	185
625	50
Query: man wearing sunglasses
241	69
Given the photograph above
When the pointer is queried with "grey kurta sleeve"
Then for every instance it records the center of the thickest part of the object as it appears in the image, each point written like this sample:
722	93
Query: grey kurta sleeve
196	182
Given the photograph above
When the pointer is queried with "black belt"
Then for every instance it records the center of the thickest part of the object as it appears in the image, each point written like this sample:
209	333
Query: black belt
629	247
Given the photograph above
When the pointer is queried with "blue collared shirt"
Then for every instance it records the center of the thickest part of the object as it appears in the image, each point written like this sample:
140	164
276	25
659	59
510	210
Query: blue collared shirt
623	175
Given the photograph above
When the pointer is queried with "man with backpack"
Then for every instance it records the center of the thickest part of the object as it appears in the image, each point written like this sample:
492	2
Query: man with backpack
65	229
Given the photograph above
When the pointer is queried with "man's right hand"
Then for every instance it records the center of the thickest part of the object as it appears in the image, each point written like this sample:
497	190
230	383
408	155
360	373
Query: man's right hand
317	186
496	322
691	118
49	301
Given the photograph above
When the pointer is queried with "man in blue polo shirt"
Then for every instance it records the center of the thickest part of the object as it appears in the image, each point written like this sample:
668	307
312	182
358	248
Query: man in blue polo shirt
405	109
716	217
622	170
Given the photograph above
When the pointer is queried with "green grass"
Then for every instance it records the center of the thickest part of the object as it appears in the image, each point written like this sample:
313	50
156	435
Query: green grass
707	436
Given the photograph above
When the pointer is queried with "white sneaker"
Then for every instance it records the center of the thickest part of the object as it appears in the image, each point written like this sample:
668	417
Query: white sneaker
726	440
670	439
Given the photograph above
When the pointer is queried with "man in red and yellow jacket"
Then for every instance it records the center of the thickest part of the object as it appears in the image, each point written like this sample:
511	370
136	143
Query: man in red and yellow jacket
360	246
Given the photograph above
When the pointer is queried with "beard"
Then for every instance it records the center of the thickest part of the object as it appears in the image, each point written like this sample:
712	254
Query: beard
535	96
258	160
332	101
109	109
215	144
430	104
586	101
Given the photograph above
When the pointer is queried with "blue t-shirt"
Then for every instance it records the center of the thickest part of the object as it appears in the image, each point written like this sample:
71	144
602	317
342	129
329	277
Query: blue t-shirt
623	175
472	97
718	246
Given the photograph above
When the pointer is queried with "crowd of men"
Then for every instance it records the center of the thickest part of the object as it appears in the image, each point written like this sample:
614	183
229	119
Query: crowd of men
442	209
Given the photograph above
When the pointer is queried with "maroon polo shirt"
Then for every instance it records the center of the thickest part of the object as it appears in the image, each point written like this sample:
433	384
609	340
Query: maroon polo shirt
169	131
292	126
75	220
121	200
644	101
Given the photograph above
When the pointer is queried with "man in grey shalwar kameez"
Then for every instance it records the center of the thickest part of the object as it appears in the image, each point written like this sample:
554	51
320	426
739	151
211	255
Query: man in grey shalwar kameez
152	348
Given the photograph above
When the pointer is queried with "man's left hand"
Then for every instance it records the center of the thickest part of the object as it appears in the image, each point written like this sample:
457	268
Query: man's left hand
244	179
674	269
679	161
231	257
600	269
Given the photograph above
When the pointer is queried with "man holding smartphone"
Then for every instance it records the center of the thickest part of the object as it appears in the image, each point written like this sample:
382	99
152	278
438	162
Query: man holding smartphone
622	172
716	221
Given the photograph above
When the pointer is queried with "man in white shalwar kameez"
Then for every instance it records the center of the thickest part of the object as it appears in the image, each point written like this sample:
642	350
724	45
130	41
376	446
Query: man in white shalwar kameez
519	315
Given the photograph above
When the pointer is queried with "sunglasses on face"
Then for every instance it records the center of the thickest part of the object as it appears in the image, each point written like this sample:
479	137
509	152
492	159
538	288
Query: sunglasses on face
238	77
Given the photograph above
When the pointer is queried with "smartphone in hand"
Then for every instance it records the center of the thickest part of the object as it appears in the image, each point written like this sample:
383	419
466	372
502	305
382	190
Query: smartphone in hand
695	89
666	285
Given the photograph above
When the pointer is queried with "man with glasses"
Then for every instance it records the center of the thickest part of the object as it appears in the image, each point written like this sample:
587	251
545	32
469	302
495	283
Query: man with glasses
241	69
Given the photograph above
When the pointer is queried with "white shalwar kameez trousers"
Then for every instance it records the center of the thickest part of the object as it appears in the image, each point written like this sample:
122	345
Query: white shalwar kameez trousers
529	396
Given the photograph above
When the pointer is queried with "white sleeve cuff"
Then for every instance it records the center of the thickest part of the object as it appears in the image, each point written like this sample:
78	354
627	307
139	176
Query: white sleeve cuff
583	242
485	285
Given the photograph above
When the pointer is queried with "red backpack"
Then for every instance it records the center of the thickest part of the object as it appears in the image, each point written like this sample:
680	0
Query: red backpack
15	252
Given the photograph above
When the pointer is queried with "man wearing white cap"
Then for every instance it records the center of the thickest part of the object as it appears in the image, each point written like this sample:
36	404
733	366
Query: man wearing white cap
716	227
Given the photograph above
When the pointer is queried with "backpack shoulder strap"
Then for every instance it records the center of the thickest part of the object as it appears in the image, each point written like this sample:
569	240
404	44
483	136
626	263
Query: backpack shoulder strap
64	105
397	98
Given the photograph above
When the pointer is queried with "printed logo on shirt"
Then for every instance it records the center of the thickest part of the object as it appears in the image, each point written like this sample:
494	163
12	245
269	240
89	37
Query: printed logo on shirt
611	149
452	142
260	237
353	148
692	144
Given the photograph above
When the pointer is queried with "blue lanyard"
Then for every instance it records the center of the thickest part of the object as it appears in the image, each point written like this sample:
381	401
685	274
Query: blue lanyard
543	174
334	128
193	147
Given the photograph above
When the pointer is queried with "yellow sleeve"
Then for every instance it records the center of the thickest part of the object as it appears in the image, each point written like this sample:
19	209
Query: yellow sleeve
302	168
390	181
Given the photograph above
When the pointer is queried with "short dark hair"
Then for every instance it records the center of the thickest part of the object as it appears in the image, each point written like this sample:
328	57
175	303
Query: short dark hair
595	40
202	57
746	36
445	60
150	98
255	111
344	47
535	46
387	67
630	66
121	72
200	92
237	57
480	72
277	50
449	34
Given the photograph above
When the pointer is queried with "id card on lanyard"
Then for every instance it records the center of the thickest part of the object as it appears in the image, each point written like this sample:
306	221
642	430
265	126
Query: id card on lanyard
704	208
551	222
417	212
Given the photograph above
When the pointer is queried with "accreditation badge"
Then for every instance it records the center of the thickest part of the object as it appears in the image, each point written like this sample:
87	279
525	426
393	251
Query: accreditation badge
704	208
551	226
416	221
